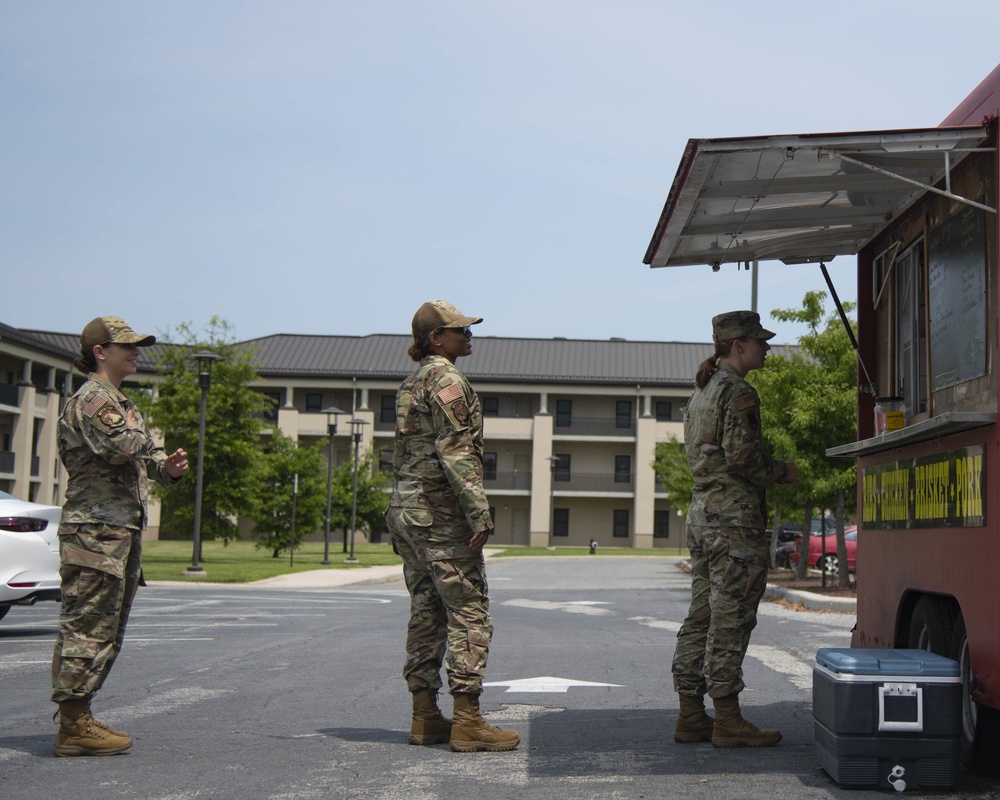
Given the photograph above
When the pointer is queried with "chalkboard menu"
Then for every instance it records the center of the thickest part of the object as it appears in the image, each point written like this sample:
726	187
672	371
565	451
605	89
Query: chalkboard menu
957	262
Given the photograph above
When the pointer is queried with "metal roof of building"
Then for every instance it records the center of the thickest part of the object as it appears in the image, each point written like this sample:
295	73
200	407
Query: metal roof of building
493	359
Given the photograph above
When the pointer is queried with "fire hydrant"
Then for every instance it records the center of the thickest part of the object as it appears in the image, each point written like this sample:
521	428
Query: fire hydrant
593	546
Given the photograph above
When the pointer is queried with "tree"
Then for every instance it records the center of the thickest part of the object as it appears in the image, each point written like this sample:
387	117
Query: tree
673	472
808	401
234	419
282	460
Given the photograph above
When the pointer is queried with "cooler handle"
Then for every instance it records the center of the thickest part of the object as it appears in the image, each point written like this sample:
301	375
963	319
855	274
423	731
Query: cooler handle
900	690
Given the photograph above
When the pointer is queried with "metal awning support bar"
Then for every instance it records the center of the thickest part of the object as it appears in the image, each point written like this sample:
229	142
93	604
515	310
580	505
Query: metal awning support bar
944	193
847	325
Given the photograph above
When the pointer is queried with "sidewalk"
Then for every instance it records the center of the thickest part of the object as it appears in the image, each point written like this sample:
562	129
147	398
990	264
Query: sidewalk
311	579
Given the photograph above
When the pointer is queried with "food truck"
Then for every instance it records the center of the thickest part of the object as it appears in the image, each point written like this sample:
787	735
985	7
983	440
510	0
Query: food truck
918	207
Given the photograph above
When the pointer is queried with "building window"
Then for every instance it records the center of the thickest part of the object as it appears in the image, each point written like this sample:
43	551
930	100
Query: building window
493	515
491	406
560	522
661	524
387	412
314	401
271	411
385	461
489	466
564	413
561	471
623	414
623	469
664	410
621	523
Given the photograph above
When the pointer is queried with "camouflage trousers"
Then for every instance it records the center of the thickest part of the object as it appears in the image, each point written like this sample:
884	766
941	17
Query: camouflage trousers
100	570
450	621
728	578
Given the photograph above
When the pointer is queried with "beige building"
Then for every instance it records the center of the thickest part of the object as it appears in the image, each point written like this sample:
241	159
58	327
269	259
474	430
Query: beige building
571	426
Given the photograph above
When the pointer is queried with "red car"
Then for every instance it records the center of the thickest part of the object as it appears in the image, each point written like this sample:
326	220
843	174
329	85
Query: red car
827	559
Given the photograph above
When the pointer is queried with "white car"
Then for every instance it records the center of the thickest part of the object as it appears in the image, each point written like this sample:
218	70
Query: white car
29	552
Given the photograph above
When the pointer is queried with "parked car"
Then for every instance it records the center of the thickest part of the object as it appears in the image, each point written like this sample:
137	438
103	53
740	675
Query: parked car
29	552
790	530
827	559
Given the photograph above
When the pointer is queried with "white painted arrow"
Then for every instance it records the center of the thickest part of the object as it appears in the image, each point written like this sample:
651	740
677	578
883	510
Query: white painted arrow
546	684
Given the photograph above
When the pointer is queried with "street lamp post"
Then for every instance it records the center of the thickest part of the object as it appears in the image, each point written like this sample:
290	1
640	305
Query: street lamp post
204	359
554	461
356	426
331	429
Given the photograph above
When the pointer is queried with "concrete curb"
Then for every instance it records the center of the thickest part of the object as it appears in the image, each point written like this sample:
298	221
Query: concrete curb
811	601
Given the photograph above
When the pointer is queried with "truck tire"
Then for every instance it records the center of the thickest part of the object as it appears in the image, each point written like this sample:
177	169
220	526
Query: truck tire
932	625
979	734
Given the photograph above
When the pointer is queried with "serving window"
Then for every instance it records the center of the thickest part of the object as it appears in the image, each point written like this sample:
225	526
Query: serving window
934	297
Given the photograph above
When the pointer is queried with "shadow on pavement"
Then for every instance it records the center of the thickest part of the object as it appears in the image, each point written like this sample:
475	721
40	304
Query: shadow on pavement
371	735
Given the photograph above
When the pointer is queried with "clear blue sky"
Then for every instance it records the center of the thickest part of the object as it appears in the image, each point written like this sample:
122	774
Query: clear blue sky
325	167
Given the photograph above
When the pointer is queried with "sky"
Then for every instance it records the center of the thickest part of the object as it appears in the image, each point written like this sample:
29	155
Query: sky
310	167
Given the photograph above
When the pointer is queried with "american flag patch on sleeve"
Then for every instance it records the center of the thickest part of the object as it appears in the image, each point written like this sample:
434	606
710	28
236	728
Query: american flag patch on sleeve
94	405
449	394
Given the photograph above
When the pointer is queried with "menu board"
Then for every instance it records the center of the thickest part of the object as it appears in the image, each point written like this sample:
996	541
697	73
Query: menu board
957	275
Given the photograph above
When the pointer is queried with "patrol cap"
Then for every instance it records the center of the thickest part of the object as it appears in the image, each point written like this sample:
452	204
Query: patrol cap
439	314
114	330
739	325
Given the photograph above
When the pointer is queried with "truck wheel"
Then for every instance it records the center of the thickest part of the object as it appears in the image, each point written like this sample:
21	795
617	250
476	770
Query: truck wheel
979	733
932	625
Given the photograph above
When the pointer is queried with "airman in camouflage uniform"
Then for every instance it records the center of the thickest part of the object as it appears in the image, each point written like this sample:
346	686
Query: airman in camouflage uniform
725	535
439	519
109	457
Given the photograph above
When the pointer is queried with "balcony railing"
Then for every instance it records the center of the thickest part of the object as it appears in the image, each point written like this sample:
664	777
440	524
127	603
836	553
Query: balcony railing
507	480
595	482
594	426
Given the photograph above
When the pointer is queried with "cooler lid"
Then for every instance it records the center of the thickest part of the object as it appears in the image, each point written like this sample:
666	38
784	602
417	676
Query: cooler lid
859	661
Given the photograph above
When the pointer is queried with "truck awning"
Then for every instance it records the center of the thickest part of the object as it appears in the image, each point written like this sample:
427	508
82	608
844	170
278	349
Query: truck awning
800	198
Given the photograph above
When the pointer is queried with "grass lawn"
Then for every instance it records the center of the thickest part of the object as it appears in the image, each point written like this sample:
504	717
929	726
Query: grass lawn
241	562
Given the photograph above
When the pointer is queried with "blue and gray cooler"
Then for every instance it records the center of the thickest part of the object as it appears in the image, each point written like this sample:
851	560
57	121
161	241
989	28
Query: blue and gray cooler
887	719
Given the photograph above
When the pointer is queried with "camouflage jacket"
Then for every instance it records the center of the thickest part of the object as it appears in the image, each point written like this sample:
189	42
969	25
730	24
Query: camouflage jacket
108	461
438	454
731	470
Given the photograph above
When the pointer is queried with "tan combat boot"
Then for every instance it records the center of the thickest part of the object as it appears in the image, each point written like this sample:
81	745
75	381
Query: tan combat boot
80	735
429	725
100	724
731	730
471	733
693	724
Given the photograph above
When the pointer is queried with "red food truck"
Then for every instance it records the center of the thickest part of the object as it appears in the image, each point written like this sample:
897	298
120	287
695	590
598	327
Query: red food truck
919	209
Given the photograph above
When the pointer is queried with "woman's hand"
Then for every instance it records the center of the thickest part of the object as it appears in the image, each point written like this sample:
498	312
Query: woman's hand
176	464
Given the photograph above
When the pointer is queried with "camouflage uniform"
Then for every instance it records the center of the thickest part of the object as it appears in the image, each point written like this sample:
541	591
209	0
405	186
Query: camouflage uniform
729	558
109	461
439	503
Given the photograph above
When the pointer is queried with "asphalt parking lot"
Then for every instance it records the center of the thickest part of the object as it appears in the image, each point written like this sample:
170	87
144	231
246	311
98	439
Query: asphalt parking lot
277	691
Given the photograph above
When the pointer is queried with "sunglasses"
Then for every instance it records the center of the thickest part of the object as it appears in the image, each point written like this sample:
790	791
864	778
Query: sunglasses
462	331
